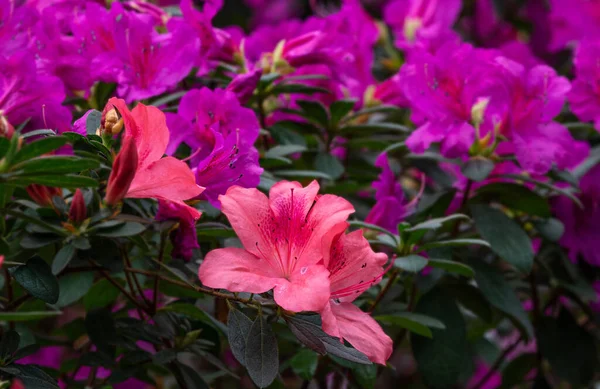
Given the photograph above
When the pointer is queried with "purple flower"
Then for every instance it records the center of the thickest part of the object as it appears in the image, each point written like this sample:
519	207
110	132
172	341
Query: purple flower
585	94
27	95
481	371
581	234
390	207
572	20
184	237
221	134
243	85
422	23
15	21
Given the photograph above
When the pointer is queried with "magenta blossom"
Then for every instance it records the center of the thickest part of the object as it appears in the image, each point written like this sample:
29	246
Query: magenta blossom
221	134
184	236
422	23
585	94
581	234
482	370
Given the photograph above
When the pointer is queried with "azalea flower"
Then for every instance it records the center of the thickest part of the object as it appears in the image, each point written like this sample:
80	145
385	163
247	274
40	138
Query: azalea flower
155	177
221	134
584	97
353	268
184	236
284	237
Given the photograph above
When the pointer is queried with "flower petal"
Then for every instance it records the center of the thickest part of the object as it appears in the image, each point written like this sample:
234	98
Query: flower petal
237	271
306	290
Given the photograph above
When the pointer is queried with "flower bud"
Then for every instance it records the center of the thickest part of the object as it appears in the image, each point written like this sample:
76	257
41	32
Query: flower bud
243	85
43	195
478	110
6	129
123	172
78	210
112	123
17	384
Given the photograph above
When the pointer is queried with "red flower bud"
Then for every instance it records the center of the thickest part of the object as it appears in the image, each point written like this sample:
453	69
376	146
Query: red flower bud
122	173
17	384
43	194
6	129
77	211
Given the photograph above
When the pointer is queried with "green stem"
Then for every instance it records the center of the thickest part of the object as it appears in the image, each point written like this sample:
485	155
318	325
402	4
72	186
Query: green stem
161	255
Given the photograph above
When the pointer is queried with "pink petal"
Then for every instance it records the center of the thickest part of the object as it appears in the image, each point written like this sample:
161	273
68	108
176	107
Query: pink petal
359	329
237	271
306	290
166	179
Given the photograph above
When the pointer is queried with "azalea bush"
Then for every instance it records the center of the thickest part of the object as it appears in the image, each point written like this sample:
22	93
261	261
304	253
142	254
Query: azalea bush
320	194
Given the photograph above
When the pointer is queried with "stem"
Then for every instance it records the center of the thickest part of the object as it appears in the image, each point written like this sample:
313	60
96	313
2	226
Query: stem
118	286
384	291
537	313
497	364
161	255
134	277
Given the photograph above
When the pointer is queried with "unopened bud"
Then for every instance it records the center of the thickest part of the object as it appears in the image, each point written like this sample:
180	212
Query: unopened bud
17	384
243	85
43	195
123	172
478	110
6	129
78	210
112	123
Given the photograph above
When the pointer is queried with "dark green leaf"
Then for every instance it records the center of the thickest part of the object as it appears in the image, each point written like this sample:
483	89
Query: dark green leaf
505	236
551	229
55	165
34	377
195	313
499	293
358	223
570	349
262	355
453	242
302	173
101	294
36	241
341	108
329	165
73	287
372	128
123	230
308	333
472	299
36	277
452	267
93	122
28	316
9	344
286	135
59	181
297	88
304	363
366	376
414	322
164	356
189	377
441	360
4	146
39	147
478	168
514	196
411	263
238	325
315	111
62	258
101	329
517	370
337	348
434	224
283	150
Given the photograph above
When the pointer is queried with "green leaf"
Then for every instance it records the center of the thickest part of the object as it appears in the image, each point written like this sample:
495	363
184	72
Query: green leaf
73	287
262	355
282	88
100	327
569	348
93	122
191	378
472	299
28	316
434	224
341	108
414	322
238	328
500	295
452	267
195	313
360	224
477	168
366	375
330	165
34	377
36	277
62	258
453	242
304	364
168	98
315	111
514	196
287	135
372	128
59	181
551	229
442	359
26	351
9	344
55	165
505	236
39	147
101	294
283	150
123	230
4	146
411	263
517	370
302	173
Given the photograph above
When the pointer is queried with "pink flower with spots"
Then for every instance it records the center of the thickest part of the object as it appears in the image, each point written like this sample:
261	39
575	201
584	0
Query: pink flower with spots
284	238
353	268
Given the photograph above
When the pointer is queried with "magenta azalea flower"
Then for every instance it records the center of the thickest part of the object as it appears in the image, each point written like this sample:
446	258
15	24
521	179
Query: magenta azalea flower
284	238
585	94
221	134
353	268
184	237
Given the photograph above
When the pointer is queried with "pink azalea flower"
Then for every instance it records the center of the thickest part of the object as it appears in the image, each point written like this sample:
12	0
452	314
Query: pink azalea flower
284	238
422	23
221	134
155	177
585	94
581	234
353	268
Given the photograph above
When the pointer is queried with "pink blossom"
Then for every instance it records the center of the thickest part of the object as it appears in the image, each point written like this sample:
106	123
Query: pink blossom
584	97
284	238
353	268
